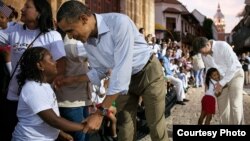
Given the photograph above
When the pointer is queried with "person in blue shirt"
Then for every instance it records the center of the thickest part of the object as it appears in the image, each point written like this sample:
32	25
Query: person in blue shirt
181	98
112	41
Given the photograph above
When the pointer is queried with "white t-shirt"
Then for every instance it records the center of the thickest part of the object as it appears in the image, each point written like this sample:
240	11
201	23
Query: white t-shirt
34	98
198	62
20	38
211	89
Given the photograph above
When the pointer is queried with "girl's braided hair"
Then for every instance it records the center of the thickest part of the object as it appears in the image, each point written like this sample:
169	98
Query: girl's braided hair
28	66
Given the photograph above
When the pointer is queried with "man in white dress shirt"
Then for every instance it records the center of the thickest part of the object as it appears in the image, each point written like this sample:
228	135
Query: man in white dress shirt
112	41
220	55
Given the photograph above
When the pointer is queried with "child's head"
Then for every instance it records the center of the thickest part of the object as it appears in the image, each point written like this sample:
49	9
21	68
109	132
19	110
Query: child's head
182	69
5	17
212	73
3	21
38	65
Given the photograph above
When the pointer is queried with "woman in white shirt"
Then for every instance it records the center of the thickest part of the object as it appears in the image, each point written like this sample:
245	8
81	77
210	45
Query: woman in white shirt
37	30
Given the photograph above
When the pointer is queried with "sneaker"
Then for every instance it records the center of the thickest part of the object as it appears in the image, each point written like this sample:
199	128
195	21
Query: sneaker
185	100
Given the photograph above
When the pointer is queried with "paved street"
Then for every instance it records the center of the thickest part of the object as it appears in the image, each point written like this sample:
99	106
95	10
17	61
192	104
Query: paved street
189	113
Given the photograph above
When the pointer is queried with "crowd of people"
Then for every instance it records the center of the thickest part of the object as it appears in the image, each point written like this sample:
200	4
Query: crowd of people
63	78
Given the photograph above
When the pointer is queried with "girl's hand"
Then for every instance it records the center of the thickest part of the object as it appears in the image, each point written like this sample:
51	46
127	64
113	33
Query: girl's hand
65	136
218	88
218	94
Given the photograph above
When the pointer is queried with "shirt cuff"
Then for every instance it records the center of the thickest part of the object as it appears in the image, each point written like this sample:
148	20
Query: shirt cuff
120	93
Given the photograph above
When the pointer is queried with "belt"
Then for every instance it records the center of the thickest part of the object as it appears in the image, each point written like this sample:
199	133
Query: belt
149	60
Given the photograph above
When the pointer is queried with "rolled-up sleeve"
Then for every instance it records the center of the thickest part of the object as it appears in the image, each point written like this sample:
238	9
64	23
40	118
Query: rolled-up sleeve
3	38
57	46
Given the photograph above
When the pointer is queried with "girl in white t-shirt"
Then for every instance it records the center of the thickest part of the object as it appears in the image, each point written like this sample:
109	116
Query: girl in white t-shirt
37	112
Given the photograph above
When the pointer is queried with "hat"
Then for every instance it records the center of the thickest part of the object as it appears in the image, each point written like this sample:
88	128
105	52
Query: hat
5	10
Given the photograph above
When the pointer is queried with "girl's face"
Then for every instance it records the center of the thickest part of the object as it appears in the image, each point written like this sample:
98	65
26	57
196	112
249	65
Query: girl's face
3	21
215	76
29	12
48	66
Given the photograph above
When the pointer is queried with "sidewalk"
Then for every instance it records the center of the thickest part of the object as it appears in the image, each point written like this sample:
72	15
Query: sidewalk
189	113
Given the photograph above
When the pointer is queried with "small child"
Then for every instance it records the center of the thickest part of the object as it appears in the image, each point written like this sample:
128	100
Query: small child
208	101
111	113
112	109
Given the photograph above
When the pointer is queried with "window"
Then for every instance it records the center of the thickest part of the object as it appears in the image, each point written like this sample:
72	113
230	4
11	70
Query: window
171	23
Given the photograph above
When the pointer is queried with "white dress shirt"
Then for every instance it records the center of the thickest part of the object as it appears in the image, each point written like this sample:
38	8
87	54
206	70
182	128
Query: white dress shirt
224	59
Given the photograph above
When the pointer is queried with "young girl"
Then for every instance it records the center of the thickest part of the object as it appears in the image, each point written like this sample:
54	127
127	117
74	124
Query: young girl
37	112
208	101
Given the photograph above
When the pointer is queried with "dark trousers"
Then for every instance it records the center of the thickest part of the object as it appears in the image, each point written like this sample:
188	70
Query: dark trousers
9	119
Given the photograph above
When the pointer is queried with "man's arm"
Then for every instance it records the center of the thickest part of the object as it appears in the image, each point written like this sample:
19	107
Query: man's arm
69	80
107	102
94	121
61	69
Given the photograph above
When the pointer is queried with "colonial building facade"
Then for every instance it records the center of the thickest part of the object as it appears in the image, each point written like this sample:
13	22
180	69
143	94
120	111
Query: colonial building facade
142	12
174	21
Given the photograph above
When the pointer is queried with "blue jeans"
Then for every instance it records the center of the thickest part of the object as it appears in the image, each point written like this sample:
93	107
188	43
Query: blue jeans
199	77
75	114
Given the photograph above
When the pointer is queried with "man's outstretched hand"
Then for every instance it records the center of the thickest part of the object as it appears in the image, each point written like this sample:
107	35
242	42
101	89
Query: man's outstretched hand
93	122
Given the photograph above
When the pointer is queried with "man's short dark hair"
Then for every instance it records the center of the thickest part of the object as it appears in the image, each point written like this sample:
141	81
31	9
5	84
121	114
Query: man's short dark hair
72	10
199	43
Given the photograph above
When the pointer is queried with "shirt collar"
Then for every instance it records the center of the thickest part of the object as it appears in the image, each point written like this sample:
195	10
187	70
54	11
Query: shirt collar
101	25
213	81
102	28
